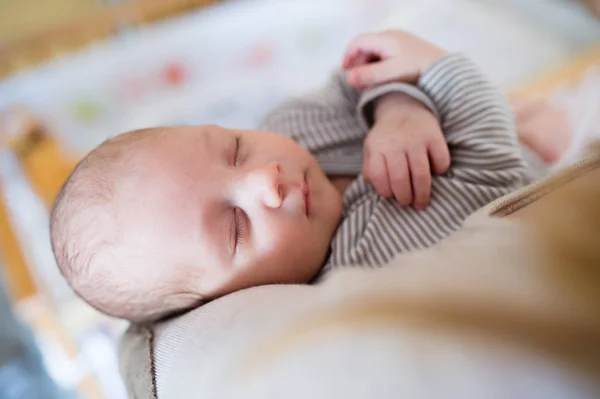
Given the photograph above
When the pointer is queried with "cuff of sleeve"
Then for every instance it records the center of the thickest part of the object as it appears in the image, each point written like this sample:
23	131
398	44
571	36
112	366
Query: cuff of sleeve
366	104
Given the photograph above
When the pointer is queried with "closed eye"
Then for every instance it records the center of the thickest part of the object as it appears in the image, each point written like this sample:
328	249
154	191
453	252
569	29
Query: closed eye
236	153
240	229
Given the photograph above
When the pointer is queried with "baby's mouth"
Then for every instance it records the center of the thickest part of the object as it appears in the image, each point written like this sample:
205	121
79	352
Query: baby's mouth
306	192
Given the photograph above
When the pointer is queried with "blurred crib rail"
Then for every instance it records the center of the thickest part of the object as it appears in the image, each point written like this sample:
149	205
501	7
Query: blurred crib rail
97	24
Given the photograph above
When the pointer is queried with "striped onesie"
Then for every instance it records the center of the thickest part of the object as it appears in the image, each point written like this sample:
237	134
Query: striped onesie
486	160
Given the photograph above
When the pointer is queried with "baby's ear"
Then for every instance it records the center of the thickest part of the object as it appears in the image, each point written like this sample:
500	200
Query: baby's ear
567	223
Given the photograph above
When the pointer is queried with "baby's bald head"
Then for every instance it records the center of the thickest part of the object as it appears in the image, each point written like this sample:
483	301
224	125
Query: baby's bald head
87	233
155	221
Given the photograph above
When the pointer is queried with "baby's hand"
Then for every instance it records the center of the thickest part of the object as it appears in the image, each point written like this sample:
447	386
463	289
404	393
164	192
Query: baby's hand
406	142
404	146
387	56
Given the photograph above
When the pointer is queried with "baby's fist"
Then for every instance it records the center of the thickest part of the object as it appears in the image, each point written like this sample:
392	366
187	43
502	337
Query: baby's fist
404	147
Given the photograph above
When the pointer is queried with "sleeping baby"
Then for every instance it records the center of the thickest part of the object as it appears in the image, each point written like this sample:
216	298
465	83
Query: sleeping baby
157	221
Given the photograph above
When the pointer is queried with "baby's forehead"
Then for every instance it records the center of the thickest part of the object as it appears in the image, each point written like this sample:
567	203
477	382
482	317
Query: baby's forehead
175	160
184	139
163	162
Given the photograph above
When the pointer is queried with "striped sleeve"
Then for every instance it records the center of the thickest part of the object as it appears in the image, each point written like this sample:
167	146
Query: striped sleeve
477	122
333	121
486	164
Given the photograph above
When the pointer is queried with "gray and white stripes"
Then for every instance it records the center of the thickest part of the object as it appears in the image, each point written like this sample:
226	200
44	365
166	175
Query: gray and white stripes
479	128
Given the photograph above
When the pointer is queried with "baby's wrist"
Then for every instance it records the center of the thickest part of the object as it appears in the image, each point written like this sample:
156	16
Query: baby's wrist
389	105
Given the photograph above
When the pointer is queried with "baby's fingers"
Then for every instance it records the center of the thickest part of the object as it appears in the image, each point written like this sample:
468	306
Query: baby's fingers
420	173
381	44
350	58
400	178
439	155
357	59
375	171
379	72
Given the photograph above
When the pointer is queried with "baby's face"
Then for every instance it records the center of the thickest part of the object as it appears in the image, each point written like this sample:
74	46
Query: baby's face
229	208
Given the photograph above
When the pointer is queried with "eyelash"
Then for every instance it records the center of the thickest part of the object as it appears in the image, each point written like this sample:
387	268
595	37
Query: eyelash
238	140
239	231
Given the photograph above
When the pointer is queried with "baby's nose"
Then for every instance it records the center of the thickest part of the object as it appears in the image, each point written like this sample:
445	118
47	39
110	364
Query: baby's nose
267	181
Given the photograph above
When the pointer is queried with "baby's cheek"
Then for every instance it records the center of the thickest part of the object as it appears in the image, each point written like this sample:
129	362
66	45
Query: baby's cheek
283	241
279	237
288	254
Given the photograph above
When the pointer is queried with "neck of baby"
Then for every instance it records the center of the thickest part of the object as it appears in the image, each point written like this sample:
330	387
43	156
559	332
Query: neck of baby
341	183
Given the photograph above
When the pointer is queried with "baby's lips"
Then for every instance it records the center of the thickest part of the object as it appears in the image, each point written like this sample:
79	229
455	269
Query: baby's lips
307	196
307	202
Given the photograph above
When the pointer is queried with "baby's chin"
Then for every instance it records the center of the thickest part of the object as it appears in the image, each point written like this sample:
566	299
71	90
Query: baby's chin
334	193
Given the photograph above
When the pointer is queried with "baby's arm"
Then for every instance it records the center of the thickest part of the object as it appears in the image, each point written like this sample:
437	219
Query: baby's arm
476	119
477	122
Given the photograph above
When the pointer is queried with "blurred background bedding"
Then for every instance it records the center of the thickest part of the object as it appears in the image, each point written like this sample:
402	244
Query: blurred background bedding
74	72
